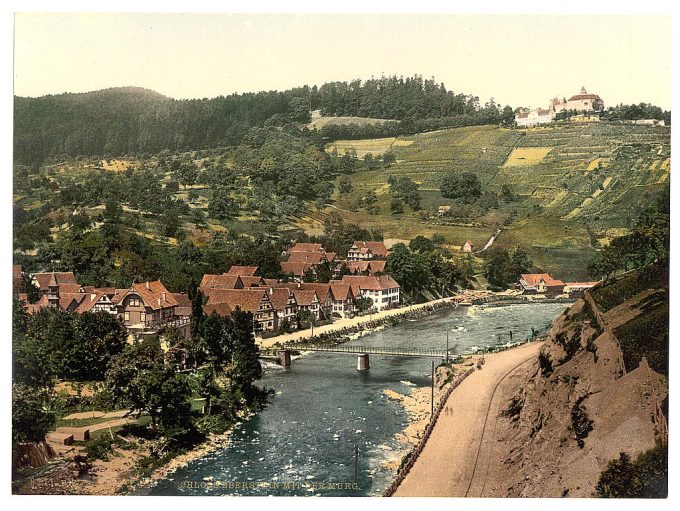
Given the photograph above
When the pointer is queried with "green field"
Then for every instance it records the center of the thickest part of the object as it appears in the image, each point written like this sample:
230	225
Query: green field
576	185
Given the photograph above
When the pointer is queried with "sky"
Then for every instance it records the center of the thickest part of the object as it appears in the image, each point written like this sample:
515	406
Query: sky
517	60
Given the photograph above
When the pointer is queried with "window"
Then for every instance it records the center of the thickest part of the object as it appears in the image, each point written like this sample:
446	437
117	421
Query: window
127	316
134	302
142	317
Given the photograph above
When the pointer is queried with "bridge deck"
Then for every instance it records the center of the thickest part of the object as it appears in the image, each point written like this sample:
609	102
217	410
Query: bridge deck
374	350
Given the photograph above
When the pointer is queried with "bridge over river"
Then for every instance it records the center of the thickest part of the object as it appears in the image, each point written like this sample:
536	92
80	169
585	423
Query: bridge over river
363	352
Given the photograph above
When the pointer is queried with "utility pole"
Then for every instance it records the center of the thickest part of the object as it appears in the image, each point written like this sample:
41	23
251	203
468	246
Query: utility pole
510	335
447	346
432	394
356	468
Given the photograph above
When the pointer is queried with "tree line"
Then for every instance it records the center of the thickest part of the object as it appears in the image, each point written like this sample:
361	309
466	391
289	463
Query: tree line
125	121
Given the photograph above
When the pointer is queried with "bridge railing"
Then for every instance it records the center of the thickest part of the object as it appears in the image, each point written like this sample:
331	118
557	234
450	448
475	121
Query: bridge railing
371	350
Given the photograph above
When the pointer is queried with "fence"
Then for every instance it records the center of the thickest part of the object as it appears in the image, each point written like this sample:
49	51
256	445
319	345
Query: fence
415	451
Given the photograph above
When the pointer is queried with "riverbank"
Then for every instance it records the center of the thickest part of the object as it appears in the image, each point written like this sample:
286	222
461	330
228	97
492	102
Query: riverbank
213	443
448	459
370	322
350	325
418	406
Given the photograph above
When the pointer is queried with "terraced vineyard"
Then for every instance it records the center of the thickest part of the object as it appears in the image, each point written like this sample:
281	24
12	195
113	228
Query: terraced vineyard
577	185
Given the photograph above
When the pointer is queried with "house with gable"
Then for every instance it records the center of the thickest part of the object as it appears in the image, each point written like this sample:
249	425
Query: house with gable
539	283
383	290
254	299
363	250
146	307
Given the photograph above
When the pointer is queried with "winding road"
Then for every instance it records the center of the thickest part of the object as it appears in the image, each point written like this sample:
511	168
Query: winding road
455	460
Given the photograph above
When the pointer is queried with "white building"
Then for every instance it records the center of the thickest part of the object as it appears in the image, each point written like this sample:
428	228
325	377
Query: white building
383	290
528	118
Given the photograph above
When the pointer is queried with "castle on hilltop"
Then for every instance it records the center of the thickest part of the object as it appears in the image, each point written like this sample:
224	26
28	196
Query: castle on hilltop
581	102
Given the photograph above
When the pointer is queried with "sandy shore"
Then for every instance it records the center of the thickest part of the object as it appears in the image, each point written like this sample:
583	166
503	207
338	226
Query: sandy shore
418	407
447	464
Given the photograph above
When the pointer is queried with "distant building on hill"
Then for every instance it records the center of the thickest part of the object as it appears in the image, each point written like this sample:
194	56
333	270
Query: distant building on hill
528	118
581	102
468	246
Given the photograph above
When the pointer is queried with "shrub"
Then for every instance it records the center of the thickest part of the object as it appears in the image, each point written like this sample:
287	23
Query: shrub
580	421
99	448
514	408
545	363
647	477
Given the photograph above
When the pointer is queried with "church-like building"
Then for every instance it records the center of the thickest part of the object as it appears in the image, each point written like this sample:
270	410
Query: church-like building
581	102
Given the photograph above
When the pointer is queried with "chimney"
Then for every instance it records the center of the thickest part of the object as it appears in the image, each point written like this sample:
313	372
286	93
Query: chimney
271	290
159	302
165	296
146	284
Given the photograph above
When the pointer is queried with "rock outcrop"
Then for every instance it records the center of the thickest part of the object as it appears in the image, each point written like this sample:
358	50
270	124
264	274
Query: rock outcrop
578	406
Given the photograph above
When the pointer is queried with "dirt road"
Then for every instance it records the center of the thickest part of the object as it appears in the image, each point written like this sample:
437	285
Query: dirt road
455	459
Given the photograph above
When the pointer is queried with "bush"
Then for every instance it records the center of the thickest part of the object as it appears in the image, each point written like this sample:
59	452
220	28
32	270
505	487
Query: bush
99	448
545	363
647	477
580	422
514	408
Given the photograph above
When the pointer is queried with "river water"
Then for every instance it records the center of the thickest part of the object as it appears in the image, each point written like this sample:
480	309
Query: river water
303	442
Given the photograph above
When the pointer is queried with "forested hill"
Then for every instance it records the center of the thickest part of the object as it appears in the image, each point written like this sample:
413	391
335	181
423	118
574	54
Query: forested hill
123	121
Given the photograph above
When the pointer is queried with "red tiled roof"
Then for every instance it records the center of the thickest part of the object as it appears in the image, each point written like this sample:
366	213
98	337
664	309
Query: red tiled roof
182	299
251	281
270	282
305	247
247	299
322	289
297	269
371	282
70	288
16	271
221	309
221	281
183	304
533	279
66	277
371	266
118	294
154	294
279	297
307	257
377	247
247	271
341	291
90	301
305	297
71	301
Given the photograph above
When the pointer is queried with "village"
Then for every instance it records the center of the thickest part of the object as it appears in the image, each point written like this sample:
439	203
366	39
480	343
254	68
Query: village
358	285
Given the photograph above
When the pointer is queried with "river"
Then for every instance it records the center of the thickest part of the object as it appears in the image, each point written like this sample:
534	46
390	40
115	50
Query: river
323	407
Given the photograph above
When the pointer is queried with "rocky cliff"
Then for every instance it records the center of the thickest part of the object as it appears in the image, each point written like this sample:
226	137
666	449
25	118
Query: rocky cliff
598	388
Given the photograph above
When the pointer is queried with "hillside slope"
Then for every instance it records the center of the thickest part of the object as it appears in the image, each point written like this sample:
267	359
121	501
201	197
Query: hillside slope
592	394
575	186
